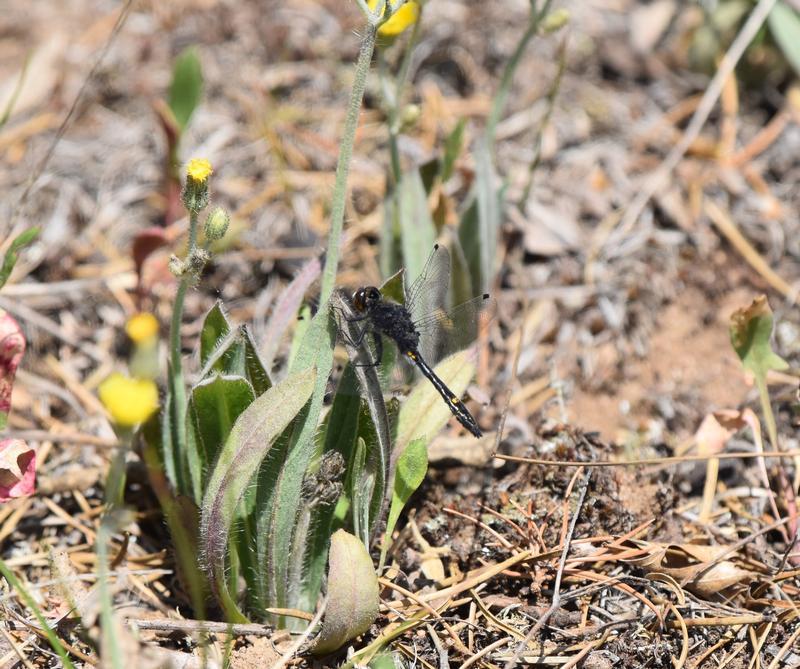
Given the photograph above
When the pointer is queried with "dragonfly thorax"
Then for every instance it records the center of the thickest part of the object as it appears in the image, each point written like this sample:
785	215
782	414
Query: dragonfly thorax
387	318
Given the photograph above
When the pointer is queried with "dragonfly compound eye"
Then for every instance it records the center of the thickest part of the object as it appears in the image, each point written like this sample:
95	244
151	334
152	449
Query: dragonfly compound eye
359	297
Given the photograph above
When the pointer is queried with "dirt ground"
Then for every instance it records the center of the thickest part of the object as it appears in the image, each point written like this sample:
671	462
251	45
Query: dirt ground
623	329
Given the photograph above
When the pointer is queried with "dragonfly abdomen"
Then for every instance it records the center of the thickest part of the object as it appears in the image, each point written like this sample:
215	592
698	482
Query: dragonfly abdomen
457	407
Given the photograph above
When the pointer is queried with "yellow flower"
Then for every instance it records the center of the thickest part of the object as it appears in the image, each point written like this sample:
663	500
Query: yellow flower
199	169
129	401
142	327
404	17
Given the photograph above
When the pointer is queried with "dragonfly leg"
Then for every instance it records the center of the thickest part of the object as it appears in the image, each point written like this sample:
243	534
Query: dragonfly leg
376	338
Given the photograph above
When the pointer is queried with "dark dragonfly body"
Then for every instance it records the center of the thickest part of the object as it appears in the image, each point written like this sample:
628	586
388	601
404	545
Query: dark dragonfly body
394	321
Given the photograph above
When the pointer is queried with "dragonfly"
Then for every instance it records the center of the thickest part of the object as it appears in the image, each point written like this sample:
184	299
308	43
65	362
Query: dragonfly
421	327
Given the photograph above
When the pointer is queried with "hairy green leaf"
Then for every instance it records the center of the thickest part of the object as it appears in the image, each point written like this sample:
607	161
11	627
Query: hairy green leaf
352	593
247	445
214	405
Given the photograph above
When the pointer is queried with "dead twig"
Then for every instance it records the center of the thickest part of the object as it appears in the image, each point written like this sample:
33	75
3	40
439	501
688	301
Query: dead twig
559	574
726	66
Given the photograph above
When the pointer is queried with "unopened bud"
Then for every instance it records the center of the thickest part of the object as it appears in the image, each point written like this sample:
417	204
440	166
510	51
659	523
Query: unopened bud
217	224
410	115
554	21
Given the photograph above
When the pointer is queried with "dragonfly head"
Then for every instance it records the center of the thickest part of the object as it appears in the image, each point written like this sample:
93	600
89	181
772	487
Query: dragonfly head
365	298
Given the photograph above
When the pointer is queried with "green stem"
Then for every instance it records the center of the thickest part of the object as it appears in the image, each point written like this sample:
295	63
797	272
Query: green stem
501	97
177	385
769	417
110	646
343	166
394	101
551	103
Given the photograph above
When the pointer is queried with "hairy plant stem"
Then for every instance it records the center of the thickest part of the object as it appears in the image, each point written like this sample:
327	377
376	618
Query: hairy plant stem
177	386
503	91
343	164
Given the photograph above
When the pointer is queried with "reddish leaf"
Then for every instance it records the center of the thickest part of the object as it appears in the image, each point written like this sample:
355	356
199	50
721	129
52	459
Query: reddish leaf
12	347
17	469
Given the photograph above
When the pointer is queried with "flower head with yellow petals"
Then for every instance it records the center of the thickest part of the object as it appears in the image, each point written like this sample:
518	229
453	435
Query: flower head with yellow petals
128	401
405	16
199	169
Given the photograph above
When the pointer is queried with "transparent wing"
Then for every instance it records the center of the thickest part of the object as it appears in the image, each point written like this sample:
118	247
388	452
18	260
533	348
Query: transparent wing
428	292
443	332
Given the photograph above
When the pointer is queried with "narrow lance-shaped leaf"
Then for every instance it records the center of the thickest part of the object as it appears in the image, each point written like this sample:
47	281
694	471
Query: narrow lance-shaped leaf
452	148
412	465
417	232
10	258
286	308
301	447
784	23
187	86
248	444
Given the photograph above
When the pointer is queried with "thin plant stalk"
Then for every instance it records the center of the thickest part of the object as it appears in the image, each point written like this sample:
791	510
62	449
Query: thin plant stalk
177	386
30	602
500	98
345	156
111	649
394	98
551	103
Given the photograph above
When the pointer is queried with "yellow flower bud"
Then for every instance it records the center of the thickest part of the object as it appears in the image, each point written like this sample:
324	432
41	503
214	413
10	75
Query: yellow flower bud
128	401
141	327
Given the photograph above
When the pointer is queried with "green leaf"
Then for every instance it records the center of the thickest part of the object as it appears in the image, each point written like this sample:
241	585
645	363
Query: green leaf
216	327
341	430
214	405
248	444
428	172
452	149
424	413
784	23
12	253
480	223
417	231
187	86
390	258
387	661
300	448
230	351
352	594
412	465
751	331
